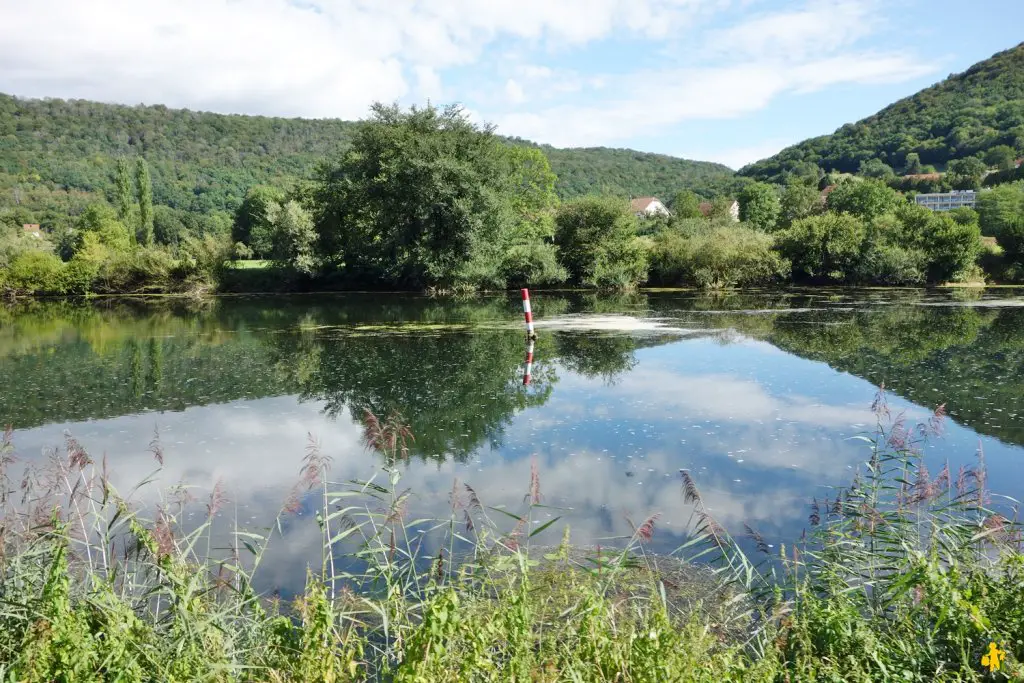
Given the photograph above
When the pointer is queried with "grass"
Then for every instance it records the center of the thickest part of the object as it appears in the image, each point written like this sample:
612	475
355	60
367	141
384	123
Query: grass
901	576
250	264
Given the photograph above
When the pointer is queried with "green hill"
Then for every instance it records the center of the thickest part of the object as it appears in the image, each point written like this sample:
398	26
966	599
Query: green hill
964	115
57	155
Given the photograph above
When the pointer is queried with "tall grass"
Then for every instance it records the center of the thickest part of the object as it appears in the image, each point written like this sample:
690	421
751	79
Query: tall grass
901	575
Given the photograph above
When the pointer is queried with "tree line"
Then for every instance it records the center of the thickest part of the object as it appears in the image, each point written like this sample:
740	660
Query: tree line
425	199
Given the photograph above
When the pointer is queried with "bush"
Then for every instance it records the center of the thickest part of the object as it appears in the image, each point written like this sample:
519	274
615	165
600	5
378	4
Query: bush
36	272
598	247
533	263
735	256
826	247
891	264
952	248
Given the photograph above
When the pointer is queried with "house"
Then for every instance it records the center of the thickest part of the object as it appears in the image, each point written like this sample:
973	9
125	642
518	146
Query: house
647	206
734	209
32	229
947	201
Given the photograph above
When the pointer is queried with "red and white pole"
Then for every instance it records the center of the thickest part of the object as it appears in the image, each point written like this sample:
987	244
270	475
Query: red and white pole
528	314
529	364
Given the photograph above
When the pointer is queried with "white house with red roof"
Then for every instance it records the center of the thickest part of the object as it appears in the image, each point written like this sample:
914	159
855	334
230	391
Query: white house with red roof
648	206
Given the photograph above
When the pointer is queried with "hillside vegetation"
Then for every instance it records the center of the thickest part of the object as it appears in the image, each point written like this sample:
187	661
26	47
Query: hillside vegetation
965	115
57	156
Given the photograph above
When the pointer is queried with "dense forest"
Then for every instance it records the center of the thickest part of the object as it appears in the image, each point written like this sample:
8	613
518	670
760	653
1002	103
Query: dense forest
966	115
57	156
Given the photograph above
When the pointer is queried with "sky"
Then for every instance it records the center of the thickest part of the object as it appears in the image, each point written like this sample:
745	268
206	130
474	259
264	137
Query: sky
730	81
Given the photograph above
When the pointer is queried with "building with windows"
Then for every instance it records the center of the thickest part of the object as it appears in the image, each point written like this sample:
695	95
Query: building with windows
947	201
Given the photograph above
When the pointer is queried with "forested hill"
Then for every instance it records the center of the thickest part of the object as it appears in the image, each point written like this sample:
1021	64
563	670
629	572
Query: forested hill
57	155
964	115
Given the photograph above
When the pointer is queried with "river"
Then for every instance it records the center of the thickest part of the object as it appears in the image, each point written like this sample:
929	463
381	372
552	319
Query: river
762	396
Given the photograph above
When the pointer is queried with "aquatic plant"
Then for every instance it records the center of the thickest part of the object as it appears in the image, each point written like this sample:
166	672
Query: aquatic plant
900	575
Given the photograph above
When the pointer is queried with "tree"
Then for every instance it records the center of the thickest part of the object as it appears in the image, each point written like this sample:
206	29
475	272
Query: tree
826	247
124	193
875	168
966	173
686	204
759	206
952	248
420	199
596	238
294	237
1001	157
867	199
912	166
145	202
999	207
799	201
252	225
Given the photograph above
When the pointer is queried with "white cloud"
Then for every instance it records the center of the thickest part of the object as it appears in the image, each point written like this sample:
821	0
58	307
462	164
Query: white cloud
652	101
514	92
317	58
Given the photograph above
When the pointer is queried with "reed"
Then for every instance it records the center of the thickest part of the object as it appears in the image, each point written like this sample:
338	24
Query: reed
899	575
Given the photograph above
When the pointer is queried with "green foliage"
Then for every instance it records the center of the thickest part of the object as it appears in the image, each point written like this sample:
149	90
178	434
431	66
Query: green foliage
1001	157
966	174
532	264
799	200
953	248
825	248
875	168
760	206
965	114
252	225
145	184
867	199
124	192
419	200
720	257
686	204
294	237
912	164
58	157
34	272
596	238
1000	213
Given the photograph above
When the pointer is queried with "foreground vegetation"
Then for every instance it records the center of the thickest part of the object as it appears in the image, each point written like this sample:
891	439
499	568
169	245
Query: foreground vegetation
901	576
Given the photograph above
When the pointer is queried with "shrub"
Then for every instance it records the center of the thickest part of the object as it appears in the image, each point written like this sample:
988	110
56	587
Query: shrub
952	248
596	238
533	263
734	256
36	272
891	264
825	247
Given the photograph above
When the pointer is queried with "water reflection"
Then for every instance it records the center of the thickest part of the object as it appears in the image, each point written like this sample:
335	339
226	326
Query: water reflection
759	395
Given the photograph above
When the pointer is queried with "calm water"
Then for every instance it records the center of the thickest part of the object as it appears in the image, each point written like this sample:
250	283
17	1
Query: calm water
760	395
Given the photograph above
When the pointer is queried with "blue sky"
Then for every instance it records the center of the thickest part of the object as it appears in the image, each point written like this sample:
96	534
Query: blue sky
723	80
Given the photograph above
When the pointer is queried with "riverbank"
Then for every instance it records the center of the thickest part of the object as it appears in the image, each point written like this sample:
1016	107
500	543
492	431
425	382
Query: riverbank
901	574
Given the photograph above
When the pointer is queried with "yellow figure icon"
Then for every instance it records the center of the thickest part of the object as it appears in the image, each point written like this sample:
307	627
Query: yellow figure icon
994	657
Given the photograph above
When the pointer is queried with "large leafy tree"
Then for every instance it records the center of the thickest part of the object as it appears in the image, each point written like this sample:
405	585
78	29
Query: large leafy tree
252	226
759	206
866	199
419	200
686	205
